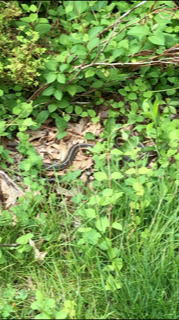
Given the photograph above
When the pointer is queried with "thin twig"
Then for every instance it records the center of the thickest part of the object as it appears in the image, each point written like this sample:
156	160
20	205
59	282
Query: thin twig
10	245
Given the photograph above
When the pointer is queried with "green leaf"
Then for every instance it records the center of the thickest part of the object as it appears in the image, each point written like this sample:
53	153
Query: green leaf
89	73
81	6
157	38
24	239
102	224
61	78
42	116
52	65
72	90
78	110
100	176
97	84
93	32
117	226
58	94
31	18
92	43
1	93
61	124
64	39
112	284
148	94
91	113
61	315
171	92
28	122
92	236
132	96
139	31
144	170
116	175
52	107
51	77
48	91
25	7
89	136
33	8
43	28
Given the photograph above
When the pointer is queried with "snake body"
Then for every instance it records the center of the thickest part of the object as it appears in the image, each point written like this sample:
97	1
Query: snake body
69	158
73	151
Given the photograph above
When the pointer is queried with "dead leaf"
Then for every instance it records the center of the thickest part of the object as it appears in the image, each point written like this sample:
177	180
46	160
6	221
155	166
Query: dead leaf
38	255
10	190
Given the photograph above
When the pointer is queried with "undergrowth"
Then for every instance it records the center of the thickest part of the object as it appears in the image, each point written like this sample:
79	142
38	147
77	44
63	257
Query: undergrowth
107	248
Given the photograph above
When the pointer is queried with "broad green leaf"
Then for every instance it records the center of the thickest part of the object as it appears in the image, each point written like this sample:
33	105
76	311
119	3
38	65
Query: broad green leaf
71	89
102	224
1	93
132	96
90	213
81	6
92	236
170	92
80	49
89	136
131	171
98	84
61	78
43	20
124	44
52	65
48	91
143	170
58	94
157	38
42	116
106	200
51	77
64	39
92	43
78	110
100	176
33	8
89	73
24	239
117	225
148	94
61	315
116	175
61	123
138	188
94	200
107	192
28	122
52	107
91	113
93	32
25	7
31	18
43	28
139	31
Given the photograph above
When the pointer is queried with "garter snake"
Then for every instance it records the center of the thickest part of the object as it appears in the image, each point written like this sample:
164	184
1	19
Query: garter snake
73	151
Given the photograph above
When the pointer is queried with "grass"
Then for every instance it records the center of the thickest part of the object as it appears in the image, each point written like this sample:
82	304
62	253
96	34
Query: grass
90	270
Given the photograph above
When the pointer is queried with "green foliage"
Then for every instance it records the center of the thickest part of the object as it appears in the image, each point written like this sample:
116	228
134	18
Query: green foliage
74	49
119	236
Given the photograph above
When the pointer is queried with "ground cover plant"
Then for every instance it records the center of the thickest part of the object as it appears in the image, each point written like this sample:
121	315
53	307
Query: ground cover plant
103	246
